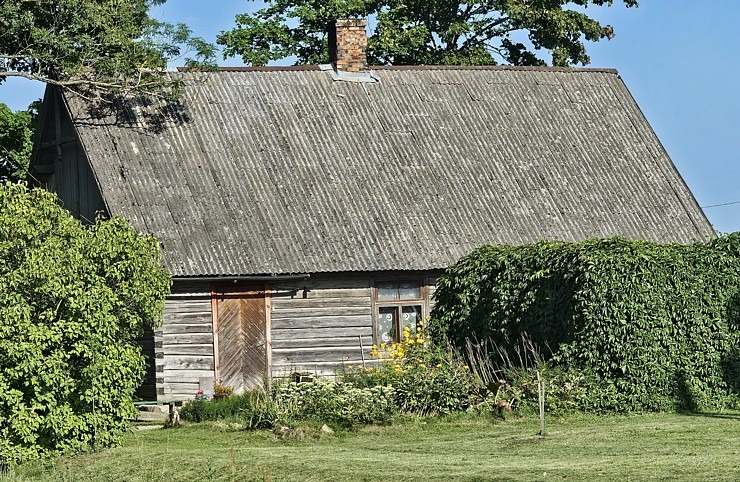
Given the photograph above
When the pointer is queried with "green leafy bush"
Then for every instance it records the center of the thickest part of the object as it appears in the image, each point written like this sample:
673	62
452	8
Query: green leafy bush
437	390
428	379
254	408
73	300
338	403
567	390
656	326
341	404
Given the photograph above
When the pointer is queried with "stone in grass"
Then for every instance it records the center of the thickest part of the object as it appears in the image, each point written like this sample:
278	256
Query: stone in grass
326	430
281	431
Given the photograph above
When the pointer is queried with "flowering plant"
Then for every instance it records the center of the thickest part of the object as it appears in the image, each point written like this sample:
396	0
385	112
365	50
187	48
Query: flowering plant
222	391
427	379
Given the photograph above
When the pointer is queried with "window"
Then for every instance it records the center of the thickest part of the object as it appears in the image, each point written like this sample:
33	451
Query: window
397	304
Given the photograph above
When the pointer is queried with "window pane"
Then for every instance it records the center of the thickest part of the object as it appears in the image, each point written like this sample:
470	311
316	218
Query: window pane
386	324
387	291
410	291
411	317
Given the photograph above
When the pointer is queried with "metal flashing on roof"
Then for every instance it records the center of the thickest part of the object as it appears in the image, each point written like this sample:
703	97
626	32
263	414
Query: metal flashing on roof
367	77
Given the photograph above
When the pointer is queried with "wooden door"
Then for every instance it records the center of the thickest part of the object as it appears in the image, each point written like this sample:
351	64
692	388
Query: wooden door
242	337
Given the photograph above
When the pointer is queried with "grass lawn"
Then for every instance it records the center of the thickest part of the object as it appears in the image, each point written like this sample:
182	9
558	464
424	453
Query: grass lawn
639	447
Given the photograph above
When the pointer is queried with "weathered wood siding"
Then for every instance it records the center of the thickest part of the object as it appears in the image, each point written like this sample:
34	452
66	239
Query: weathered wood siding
431	288
318	327
60	162
184	342
313	325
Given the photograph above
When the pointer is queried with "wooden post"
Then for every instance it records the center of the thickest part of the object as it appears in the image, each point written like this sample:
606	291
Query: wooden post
362	351
541	391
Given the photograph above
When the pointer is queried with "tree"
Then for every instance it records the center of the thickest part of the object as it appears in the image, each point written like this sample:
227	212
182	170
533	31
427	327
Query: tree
73	300
410	32
16	141
94	47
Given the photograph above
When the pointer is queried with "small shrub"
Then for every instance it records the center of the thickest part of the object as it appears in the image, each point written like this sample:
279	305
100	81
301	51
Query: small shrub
341	404
261	412
441	389
253	407
338	403
427	379
507	379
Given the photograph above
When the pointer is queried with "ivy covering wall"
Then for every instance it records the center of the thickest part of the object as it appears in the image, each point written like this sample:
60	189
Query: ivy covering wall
656	325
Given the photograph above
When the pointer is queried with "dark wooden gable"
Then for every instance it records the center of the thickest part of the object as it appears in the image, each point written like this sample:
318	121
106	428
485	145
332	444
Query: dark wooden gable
59	162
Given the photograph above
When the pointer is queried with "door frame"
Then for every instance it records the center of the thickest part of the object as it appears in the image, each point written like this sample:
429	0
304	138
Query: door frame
235	289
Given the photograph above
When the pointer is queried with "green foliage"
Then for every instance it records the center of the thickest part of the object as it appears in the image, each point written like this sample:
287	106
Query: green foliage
341	404
436	390
253	407
94	44
427	379
73	300
416	32
656	325
16	141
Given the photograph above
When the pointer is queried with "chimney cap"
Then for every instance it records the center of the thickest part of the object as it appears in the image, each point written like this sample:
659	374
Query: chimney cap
350	22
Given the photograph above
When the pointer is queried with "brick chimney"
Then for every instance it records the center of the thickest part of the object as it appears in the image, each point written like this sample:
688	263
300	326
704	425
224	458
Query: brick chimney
347	44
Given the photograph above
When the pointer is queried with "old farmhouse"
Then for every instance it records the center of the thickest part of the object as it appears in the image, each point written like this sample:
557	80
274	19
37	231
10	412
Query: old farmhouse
305	212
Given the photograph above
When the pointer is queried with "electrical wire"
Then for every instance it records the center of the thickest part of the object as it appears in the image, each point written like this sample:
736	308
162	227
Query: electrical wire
719	205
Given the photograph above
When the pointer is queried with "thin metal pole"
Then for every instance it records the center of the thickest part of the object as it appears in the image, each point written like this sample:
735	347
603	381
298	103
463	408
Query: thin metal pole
541	390
362	351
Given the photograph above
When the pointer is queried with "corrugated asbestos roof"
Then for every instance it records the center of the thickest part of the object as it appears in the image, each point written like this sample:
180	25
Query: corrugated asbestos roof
285	171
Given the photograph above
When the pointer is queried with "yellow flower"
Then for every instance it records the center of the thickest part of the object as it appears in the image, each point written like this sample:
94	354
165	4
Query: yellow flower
421	365
350	367
439	365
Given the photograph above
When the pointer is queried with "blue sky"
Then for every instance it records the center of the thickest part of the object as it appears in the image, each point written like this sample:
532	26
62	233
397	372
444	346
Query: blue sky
679	58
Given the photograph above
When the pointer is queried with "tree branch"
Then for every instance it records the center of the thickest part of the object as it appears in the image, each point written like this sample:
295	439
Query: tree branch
139	86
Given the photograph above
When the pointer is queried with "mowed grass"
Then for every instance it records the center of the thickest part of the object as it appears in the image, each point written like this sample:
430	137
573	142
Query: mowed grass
638	447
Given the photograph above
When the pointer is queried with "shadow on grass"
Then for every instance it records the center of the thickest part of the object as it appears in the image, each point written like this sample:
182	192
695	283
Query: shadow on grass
725	415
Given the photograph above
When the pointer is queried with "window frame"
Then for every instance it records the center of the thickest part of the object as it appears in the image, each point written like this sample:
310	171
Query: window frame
398	304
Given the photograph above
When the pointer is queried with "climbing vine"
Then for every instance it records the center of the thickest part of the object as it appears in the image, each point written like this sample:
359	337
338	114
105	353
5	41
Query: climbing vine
657	323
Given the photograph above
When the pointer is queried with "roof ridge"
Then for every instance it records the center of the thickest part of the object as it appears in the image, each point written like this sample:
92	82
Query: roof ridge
534	68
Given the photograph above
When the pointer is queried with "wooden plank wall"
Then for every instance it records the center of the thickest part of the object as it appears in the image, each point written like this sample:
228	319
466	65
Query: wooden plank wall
72	180
315	326
184	343
318	329
431	288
